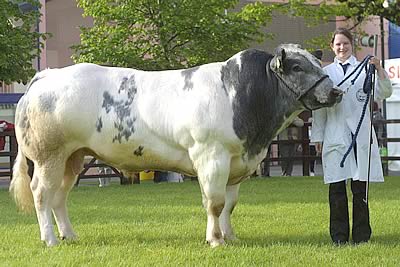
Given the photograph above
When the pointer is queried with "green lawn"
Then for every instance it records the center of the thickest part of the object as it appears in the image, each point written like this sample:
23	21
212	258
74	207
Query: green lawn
279	221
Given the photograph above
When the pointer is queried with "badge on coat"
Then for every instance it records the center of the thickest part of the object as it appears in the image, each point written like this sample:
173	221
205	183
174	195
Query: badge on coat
361	96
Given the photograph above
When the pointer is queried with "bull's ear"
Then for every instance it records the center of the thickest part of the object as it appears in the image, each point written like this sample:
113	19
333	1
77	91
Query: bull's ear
317	53
277	62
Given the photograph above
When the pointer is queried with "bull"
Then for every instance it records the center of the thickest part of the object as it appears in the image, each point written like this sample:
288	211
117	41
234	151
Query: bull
213	121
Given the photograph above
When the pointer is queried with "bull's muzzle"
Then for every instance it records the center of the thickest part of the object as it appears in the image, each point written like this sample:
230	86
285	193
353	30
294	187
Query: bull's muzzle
336	94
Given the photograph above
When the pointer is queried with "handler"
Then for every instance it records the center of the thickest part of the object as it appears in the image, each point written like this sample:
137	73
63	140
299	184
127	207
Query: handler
334	127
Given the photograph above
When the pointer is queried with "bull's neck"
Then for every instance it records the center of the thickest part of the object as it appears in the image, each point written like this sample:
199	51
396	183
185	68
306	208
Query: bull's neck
261	107
282	109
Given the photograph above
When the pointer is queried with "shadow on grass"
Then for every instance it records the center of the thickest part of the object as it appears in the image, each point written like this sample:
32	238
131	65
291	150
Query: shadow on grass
144	238
314	240
386	239
273	240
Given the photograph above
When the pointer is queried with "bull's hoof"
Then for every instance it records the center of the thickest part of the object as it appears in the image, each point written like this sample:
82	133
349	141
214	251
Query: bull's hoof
216	243
71	237
52	242
231	237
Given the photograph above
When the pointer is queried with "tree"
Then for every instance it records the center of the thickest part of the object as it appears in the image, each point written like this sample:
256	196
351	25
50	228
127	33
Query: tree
18	41
355	12
361	9
167	34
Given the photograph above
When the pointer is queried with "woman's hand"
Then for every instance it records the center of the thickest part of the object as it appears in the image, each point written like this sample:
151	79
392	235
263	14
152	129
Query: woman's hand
377	62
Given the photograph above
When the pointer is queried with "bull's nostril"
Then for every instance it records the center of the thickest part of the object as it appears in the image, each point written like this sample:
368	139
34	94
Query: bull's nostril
336	92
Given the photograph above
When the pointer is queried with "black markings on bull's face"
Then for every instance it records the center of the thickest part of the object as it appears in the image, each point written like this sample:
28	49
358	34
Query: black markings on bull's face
47	102
139	151
302	73
122	105
187	75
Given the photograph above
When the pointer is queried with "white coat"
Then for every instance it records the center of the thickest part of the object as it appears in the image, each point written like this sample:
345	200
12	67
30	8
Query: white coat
334	127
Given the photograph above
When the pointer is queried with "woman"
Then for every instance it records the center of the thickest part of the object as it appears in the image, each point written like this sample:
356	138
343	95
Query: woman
334	127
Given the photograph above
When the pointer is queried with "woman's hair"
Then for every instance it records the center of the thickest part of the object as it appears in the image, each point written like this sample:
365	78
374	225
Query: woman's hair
343	31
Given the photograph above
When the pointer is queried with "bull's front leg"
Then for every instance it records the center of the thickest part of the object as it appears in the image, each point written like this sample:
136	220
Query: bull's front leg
231	199
213	166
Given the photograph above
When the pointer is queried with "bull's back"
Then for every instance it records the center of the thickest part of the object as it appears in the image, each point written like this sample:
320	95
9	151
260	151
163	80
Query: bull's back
63	104
125	116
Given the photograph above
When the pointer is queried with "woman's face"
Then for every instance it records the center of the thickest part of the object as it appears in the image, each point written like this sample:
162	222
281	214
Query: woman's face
342	48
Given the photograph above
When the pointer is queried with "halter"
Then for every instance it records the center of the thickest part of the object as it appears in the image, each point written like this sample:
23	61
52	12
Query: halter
299	95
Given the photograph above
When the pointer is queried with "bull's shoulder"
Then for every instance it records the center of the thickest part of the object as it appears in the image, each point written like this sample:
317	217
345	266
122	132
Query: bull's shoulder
254	57
249	56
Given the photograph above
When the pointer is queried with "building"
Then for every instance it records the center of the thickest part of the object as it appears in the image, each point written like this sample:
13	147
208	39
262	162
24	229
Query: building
62	18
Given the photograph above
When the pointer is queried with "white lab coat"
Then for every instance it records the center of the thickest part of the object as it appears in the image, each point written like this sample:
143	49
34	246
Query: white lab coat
334	126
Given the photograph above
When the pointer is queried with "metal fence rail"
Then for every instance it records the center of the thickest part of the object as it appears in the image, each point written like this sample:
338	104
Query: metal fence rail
305	157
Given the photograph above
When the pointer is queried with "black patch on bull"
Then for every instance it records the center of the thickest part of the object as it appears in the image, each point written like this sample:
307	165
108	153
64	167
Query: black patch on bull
124	123
34	79
139	151
230	75
47	102
260	103
99	124
23	120
187	75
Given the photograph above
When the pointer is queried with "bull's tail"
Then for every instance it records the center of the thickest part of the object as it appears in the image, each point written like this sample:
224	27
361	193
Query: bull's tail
20	184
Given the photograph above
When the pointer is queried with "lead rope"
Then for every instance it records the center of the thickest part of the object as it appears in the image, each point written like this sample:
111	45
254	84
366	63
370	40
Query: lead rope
372	79
367	89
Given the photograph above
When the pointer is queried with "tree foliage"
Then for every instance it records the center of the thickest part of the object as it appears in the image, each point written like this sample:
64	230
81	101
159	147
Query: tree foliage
18	41
167	34
354	12
361	9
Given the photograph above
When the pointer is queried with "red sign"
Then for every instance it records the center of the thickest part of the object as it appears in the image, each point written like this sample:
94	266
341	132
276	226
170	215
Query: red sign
392	66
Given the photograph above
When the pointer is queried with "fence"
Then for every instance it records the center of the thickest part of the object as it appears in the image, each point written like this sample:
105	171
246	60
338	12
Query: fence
305	157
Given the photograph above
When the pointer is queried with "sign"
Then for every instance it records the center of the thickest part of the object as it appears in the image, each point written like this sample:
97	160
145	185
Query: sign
392	66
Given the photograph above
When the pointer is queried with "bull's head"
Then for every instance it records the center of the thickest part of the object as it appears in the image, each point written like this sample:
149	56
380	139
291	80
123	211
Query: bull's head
302	75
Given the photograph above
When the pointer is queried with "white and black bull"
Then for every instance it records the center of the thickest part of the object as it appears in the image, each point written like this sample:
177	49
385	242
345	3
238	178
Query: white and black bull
214	121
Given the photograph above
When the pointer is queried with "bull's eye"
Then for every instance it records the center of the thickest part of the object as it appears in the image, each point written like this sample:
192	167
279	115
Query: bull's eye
297	68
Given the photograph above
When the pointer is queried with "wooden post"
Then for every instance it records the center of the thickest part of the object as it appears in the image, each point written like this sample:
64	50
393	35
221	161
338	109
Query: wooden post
306	150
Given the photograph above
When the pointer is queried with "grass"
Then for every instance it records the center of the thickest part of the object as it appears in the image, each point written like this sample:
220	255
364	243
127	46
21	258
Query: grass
279	221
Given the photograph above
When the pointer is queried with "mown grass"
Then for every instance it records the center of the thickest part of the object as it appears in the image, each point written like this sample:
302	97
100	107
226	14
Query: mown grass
280	221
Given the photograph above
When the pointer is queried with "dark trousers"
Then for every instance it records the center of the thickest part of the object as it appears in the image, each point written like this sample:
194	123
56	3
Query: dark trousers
287	151
339	213
313	152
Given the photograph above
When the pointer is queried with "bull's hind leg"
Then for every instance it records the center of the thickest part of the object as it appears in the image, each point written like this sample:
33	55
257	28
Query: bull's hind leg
73	166
213	167
232	196
47	179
